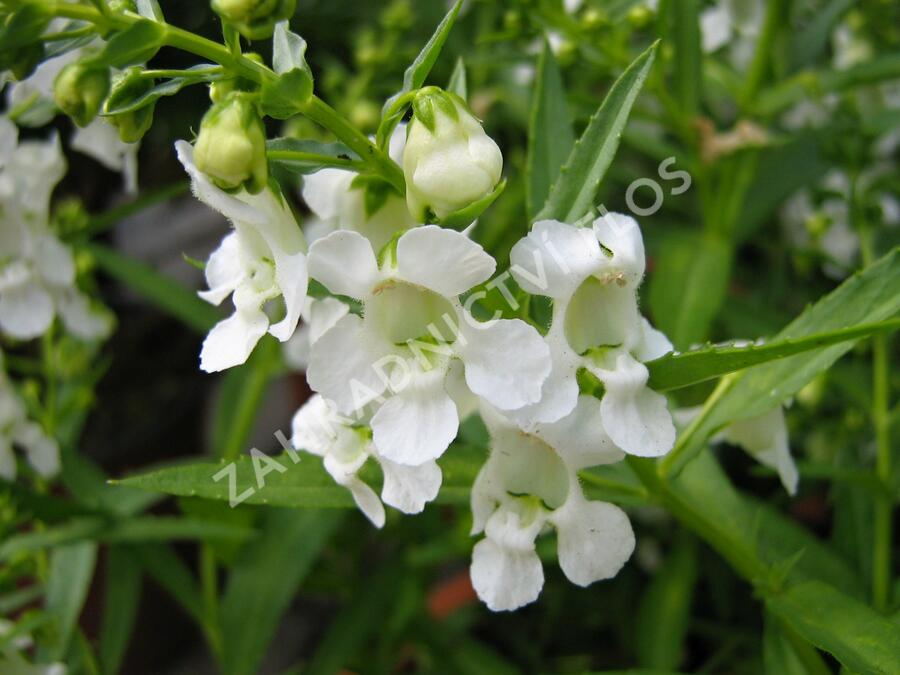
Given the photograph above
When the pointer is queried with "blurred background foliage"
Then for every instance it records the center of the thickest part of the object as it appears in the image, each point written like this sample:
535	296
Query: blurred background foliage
787	131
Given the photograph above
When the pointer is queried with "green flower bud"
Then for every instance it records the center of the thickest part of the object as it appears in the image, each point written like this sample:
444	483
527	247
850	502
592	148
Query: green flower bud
449	162
220	89
231	146
254	19
79	91
130	86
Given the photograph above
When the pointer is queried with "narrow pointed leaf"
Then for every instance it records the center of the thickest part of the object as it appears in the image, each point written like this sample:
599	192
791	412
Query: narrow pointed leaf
574	189
550	135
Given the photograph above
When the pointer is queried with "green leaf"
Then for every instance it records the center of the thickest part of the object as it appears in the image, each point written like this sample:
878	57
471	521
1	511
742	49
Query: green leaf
265	579
125	100
665	610
120	605
866	298
550	135
71	570
461	219
133	46
415	74
355	623
286	95
170	572
573	191
145	528
24	26
684	369
303	483
779	657
686	38
810	43
689	286
242	394
458	84
861	639
308	156
165	293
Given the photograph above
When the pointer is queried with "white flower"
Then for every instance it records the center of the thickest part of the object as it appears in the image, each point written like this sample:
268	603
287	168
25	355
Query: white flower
41	451
318	316
449	162
345	446
592	276
412	329
100	140
530	483
338	204
37	271
736	23
261	260
766	439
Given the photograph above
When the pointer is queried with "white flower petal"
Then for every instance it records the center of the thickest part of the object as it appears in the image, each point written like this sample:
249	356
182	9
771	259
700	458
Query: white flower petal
231	341
323	192
580	438
443	261
409	488
80	318
595	540
636	418
224	270
342	365
26	311
345	263
554	258
292	279
621	234
559	393
418	423
506	361
766	439
653	343
504	579
715	27
41	450
314	427
53	259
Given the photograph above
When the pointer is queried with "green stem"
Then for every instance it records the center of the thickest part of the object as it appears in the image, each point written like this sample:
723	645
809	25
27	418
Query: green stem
881	420
315	109
210	586
762	54
297	156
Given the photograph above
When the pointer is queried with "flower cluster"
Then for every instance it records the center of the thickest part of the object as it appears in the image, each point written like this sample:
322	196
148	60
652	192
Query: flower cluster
398	355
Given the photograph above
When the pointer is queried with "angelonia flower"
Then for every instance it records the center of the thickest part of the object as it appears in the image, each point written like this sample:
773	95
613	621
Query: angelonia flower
413	327
346	445
583	270
254	19
231	145
317	316
37	271
341	201
262	259
449	162
530	484
16	430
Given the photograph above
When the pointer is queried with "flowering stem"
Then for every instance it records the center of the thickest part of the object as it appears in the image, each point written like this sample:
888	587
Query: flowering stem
881	420
325	160
315	109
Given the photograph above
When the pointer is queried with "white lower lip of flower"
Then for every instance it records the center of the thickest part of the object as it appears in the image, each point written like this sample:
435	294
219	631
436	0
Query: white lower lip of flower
601	314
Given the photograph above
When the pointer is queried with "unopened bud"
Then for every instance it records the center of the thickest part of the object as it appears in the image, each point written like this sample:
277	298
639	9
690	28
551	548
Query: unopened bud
231	145
254	19
449	162
79	91
131	125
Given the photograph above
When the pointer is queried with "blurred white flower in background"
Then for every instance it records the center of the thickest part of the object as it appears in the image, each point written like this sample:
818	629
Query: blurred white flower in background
37	271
